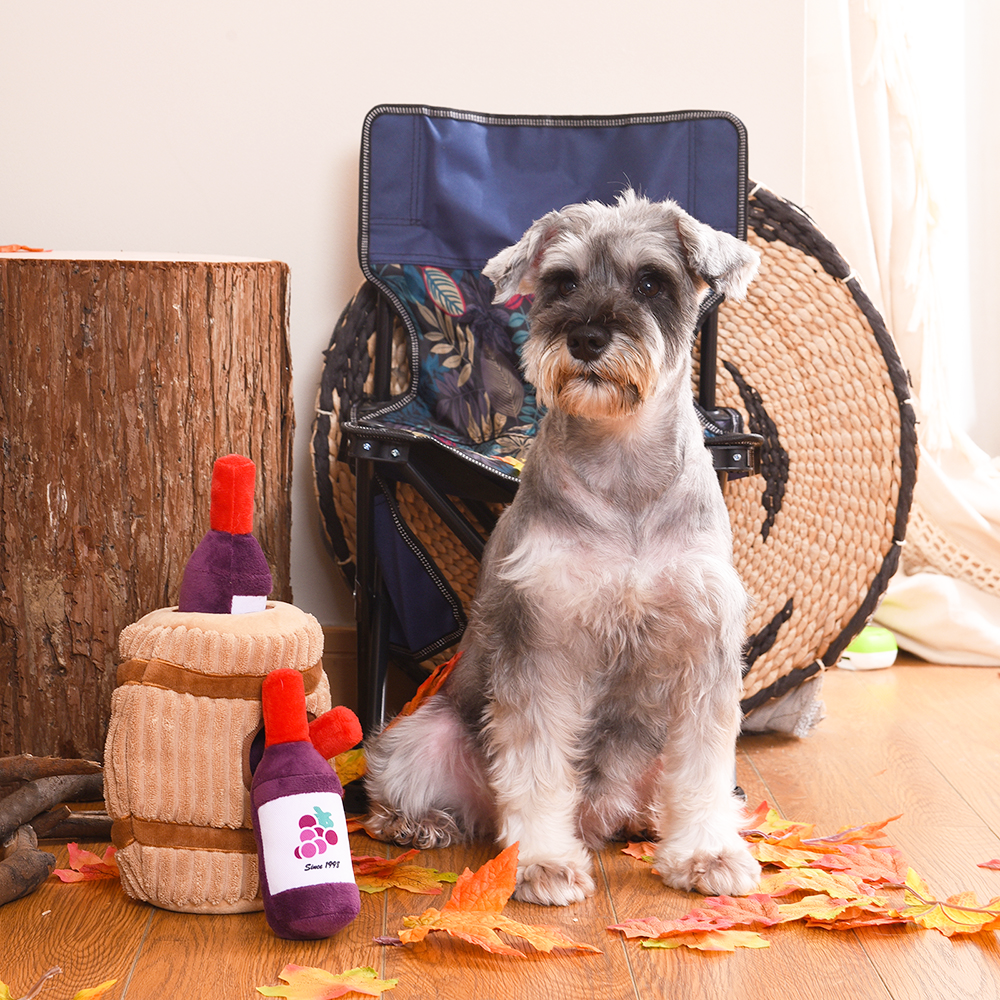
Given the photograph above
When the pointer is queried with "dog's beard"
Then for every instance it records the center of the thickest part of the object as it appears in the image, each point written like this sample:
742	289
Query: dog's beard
615	385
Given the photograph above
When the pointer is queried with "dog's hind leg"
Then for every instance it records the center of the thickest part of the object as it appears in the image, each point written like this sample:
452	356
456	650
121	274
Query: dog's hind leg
425	780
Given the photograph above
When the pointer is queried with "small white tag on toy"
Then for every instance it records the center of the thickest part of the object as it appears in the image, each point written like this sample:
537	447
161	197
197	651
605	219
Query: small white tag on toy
245	604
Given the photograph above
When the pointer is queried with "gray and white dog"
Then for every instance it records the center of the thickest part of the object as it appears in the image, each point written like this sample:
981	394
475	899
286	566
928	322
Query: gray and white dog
599	685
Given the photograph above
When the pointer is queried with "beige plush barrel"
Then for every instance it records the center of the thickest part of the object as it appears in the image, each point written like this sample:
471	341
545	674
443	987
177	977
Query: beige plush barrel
183	716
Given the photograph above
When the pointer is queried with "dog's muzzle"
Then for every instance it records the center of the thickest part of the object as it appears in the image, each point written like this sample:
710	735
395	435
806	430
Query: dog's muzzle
587	342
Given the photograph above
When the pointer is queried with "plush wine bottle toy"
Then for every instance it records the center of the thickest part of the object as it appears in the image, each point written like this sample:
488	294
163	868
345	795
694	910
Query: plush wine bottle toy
227	573
304	856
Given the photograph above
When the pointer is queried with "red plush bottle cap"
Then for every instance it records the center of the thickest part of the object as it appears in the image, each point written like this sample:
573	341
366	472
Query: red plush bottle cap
233	479
283	700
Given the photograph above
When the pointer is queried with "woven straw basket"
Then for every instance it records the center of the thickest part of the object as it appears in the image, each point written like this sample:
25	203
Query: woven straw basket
809	363
176	771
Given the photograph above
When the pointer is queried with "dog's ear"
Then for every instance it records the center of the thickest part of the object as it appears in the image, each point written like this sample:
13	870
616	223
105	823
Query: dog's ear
726	263
515	269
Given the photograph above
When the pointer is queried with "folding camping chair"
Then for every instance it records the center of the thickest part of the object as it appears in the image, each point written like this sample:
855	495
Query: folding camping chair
442	191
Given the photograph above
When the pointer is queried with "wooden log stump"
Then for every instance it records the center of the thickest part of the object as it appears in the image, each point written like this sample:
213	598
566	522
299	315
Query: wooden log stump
121	381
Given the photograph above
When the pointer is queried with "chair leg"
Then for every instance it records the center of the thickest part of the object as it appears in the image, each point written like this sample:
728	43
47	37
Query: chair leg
372	609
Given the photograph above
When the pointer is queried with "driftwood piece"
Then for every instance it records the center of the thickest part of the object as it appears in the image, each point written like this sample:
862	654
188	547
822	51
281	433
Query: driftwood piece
121	383
23	868
36	797
49	820
87	825
25	767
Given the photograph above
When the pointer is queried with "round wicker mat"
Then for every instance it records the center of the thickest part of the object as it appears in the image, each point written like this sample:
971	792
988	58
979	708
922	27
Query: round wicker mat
808	361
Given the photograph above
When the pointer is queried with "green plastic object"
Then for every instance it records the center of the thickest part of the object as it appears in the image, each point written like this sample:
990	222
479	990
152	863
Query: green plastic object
873	648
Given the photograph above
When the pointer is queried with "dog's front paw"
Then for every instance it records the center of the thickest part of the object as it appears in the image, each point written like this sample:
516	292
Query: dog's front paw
554	883
436	829
724	871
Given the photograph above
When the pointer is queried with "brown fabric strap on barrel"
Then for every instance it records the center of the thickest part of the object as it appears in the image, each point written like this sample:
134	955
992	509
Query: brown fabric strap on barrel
181	836
183	680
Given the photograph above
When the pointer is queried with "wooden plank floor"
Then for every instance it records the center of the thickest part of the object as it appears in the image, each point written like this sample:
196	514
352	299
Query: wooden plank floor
919	740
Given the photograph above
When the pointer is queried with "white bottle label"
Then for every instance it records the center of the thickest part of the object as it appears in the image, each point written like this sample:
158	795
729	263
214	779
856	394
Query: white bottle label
305	841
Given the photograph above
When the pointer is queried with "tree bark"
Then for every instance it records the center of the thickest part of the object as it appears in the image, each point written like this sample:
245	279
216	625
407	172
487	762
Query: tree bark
121	382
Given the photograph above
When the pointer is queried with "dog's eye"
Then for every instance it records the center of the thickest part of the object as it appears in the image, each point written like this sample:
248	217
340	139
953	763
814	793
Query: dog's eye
566	286
648	286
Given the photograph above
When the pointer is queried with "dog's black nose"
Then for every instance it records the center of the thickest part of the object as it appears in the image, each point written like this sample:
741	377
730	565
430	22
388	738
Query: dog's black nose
587	343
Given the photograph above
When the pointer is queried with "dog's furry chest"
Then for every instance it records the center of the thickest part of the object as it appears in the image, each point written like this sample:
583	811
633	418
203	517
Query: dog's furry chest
637	576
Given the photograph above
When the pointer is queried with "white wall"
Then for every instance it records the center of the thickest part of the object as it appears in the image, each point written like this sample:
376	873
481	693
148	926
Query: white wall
232	127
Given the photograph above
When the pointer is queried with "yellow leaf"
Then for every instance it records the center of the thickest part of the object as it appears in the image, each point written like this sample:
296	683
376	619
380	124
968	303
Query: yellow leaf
95	991
350	765
305	983
784	857
834	884
712	941
378	874
961	914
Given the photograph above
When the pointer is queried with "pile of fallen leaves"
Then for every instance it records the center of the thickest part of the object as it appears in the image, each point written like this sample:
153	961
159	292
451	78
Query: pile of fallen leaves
838	882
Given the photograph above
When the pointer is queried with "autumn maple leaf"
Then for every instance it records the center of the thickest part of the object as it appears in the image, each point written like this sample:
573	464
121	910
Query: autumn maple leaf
961	914
88	993
306	983
350	765
643	851
378	874
473	913
85	866
715	913
783	857
813	880
876	866
994	864
711	941
766	824
838	914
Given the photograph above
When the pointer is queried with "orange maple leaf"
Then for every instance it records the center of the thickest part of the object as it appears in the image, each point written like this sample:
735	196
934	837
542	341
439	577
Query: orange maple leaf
643	851
306	983
766	824
85	866
378	874
716	913
868	834
428	688
877	866
960	914
473	913
711	941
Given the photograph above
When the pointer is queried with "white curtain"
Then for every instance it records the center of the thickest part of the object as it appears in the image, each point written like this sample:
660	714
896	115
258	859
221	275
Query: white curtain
884	126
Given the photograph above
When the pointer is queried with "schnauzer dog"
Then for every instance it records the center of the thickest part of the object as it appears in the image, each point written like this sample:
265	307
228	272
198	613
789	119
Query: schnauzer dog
599	685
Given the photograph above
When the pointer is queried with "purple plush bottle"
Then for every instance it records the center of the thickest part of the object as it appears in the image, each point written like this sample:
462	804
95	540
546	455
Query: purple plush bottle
306	876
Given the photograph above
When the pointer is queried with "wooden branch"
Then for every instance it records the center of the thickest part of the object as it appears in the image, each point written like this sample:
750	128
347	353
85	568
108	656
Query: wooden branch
46	821
94	825
24	868
35	797
24	767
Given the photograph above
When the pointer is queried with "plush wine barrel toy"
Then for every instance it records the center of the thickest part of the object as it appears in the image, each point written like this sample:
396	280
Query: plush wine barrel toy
186	716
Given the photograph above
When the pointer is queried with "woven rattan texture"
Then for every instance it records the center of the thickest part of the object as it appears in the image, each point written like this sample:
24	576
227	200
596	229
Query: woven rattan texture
808	361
